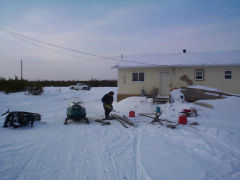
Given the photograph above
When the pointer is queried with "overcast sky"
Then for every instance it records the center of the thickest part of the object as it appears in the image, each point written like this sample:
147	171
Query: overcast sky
108	28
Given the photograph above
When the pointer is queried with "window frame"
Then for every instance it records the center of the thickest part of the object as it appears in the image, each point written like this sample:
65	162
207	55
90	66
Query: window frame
195	74
138	77
228	74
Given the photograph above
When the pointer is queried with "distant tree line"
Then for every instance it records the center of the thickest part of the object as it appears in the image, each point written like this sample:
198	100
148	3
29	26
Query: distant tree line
17	85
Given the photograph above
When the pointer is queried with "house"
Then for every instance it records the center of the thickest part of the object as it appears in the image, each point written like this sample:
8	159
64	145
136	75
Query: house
137	73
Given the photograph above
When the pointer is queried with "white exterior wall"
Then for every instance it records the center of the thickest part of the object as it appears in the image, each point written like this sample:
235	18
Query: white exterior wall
213	77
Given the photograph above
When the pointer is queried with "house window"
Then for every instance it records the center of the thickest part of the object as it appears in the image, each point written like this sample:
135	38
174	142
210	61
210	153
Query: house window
228	74
138	76
199	74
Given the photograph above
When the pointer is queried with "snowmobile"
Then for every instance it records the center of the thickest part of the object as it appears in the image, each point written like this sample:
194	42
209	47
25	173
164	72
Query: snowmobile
20	118
76	110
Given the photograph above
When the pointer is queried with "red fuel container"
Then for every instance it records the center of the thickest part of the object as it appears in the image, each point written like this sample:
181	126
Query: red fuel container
132	114
187	110
182	119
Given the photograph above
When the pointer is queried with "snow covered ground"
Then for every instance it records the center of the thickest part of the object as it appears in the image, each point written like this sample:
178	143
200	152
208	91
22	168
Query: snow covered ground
52	150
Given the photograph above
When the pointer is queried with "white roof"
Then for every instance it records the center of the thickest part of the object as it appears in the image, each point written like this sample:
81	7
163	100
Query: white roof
188	59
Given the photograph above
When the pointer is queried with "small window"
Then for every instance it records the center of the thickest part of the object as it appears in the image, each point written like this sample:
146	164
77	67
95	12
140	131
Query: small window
228	74
141	76
138	76
199	74
134	76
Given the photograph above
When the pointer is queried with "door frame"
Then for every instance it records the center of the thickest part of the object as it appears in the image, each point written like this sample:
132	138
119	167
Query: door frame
168	84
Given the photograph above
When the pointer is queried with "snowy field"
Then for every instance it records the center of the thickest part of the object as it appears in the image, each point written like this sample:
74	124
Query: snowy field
52	150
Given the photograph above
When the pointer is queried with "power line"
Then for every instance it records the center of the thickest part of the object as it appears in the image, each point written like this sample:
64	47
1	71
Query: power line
57	45
42	46
8	64
90	54
61	61
46	47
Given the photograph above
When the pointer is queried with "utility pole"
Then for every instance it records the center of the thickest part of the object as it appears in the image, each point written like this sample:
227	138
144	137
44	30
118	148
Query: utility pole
21	69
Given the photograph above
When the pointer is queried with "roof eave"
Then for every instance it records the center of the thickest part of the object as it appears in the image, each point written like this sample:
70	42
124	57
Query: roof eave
174	66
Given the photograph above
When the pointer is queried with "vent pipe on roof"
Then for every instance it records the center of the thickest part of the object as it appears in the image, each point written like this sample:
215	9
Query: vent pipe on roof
184	51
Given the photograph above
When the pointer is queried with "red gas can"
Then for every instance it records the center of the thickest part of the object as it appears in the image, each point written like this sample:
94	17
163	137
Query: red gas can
182	119
132	114
187	110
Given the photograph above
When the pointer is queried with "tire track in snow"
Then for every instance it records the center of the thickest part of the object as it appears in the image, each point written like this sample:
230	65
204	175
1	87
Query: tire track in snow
208	150
28	164
22	166
114	167
87	157
109	158
213	140
139	172
136	173
33	160
106	157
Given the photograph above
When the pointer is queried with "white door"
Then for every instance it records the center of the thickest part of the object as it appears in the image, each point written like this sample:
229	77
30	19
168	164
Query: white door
164	88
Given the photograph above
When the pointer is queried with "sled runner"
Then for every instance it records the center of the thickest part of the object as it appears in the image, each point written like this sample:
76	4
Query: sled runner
76	110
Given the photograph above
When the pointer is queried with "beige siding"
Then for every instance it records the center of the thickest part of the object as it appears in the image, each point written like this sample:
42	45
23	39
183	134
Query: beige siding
213	77
130	87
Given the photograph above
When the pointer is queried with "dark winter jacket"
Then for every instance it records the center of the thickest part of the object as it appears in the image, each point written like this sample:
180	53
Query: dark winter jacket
107	99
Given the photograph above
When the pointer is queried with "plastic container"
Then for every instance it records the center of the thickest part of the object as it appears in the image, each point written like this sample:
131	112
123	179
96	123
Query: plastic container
132	114
158	109
182	119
